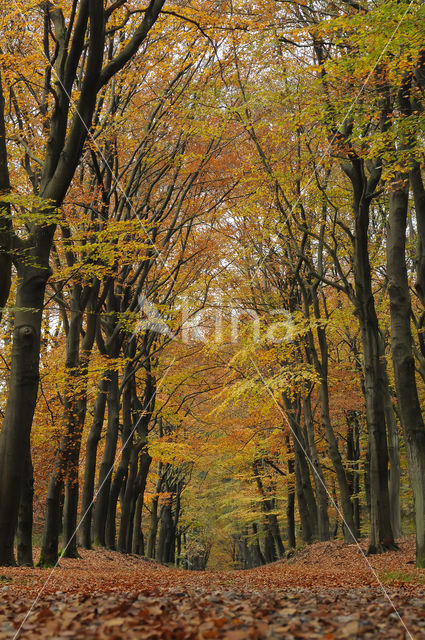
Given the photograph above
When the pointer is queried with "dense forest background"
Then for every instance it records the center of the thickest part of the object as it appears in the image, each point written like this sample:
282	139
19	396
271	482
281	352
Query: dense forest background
212	231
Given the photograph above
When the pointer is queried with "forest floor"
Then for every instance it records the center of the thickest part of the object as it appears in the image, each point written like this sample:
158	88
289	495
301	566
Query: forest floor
328	590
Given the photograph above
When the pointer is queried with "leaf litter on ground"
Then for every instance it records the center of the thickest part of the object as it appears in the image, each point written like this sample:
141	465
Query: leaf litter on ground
326	591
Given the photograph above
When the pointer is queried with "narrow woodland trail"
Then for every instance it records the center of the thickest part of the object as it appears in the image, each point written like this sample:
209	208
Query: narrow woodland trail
327	591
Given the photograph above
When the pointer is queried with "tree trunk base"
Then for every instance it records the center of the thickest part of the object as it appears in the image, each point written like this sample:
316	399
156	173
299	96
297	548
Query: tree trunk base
382	547
70	553
7	560
47	562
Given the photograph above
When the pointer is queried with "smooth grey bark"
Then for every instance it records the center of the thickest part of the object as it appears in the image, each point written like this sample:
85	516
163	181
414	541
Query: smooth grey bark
138	461
418	190
130	528
258	554
50	542
137	543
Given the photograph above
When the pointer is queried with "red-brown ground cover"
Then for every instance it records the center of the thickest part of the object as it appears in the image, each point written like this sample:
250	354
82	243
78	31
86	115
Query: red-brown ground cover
326	591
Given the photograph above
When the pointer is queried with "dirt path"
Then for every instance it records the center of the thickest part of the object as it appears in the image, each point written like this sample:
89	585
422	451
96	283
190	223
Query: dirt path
327	592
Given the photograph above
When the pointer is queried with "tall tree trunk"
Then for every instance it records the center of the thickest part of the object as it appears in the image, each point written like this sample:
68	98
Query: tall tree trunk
5	218
90	465
271	524
321	366
23	383
25	520
138	465
166	536
353	457
70	512
104	483
381	534
307	505
335	455
318	478
290	507
68	451
144	466
394	458
151	549
52	525
129	500
258	554
138	545
403	359
121	473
